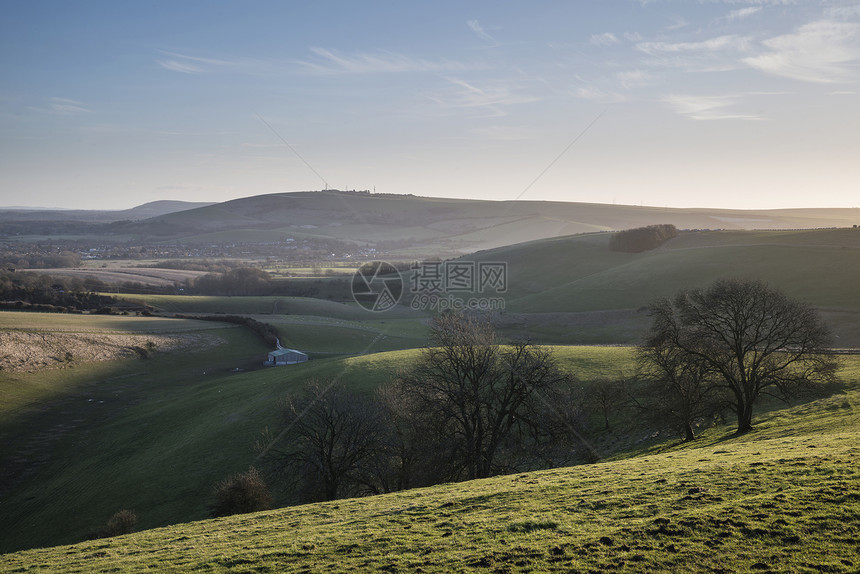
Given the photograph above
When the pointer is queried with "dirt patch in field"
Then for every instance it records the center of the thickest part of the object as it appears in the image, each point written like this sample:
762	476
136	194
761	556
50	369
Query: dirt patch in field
29	351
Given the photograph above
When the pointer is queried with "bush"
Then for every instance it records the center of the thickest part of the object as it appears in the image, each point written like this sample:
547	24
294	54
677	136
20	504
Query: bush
642	238
241	493
122	522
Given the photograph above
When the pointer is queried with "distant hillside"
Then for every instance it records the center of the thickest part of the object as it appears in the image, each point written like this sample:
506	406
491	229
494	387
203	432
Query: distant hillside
145	211
408	224
157	208
576	288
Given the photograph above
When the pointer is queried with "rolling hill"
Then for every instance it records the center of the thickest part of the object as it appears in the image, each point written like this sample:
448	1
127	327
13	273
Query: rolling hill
553	284
407	224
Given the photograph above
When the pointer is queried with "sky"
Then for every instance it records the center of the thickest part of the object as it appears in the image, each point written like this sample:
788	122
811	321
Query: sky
728	104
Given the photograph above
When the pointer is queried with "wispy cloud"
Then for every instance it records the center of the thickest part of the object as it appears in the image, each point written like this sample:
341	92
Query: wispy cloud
596	94
604	39
491	100
742	13
825	52
677	23
634	78
186	64
481	33
182	67
721	53
719	43
335	62
62	107
707	107
843	12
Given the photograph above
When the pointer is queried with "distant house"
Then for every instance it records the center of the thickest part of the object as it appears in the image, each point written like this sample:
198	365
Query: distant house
286	357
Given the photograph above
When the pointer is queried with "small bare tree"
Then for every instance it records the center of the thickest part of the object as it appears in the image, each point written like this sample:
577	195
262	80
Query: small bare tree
479	398
607	397
679	389
329	436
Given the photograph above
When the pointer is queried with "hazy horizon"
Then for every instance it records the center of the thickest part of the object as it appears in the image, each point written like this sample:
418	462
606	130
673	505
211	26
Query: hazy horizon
720	104
646	206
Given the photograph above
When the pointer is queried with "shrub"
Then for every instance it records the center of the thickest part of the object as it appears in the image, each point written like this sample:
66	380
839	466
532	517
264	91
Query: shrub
122	522
241	493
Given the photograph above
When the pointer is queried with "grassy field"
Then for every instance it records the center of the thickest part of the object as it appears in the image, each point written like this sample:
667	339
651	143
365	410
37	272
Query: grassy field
311	325
323	336
783	498
66	322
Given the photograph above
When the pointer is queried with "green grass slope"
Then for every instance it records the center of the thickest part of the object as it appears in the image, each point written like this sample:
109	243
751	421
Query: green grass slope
783	498
580	273
156	435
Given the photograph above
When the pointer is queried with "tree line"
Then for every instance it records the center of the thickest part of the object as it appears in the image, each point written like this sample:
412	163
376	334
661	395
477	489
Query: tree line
642	238
40	292
250	281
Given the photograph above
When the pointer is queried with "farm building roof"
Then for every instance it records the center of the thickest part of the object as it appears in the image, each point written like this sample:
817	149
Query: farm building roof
282	352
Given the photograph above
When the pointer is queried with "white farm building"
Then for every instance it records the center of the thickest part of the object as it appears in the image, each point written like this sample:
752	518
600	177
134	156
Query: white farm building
286	357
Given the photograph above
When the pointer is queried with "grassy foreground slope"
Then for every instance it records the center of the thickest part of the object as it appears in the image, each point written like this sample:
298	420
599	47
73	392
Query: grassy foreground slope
155	435
783	498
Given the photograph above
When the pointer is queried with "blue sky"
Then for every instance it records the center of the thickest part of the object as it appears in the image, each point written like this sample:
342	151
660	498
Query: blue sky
689	104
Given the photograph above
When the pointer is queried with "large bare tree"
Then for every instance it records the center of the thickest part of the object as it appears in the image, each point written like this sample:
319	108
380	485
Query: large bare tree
753	338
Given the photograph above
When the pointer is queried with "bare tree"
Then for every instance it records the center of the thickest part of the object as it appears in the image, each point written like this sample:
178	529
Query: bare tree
402	459
752	337
607	396
478	397
679	390
330	435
